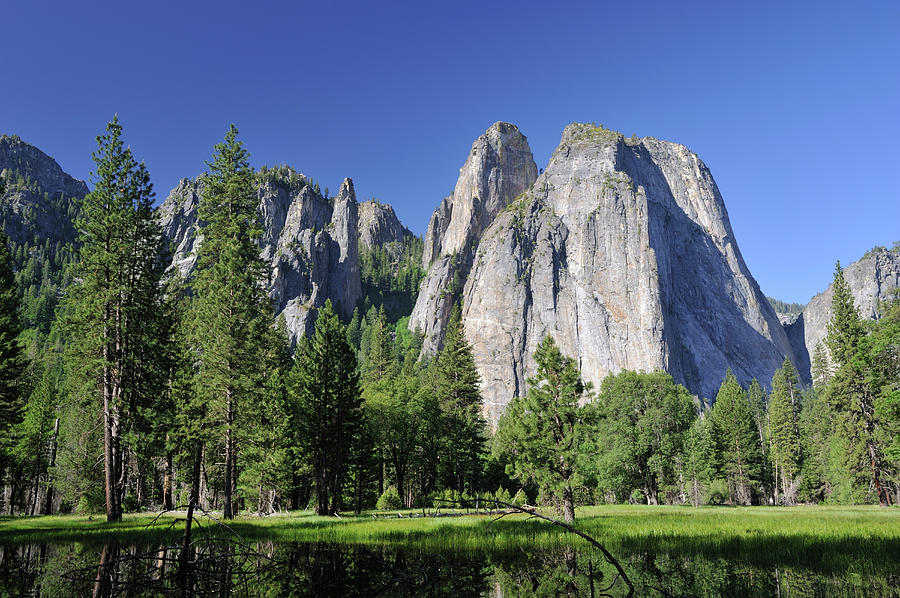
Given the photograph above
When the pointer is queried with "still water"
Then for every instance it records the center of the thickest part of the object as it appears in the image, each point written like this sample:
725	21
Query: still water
224	567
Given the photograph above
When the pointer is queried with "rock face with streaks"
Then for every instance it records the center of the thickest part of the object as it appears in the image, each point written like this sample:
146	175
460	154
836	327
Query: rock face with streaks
310	243
872	279
622	250
499	167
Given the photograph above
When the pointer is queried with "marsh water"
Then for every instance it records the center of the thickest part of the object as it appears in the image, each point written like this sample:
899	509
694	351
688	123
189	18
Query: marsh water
227	568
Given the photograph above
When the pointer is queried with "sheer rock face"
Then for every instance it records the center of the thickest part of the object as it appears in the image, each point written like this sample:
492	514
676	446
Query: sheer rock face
39	195
872	280
622	250
499	167
379	225
309	242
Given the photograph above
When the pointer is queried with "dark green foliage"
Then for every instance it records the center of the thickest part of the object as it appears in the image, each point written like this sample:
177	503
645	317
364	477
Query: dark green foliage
229	314
699	461
816	423
784	432
265	448
738	448
539	432
12	359
324	389
881	351
114	303
35	437
642	422
379	362
851	393
458	394
391	276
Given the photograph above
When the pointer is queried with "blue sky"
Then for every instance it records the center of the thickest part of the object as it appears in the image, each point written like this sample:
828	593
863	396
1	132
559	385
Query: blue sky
794	106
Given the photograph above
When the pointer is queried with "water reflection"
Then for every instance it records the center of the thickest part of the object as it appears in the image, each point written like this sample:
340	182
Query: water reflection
229	568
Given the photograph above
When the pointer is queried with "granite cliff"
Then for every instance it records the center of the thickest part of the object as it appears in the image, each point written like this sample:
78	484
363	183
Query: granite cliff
622	250
498	168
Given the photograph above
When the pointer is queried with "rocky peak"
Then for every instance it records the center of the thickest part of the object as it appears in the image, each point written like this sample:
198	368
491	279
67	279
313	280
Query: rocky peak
872	279
621	250
343	276
309	242
18	157
38	203
347	192
499	167
379	225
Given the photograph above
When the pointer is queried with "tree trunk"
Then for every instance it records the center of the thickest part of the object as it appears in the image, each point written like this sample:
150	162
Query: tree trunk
568	505
168	501
109	465
184	558
229	455
884	498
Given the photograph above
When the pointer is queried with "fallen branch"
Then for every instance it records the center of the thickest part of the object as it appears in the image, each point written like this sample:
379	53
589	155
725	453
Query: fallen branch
532	511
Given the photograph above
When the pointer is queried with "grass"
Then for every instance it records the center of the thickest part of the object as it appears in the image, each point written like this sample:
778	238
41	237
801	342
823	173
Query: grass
821	537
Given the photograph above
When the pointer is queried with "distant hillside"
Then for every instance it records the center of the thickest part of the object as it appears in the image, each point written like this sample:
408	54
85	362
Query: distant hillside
38	213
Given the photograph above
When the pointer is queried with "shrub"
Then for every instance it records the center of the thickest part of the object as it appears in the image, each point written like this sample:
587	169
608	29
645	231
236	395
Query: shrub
389	500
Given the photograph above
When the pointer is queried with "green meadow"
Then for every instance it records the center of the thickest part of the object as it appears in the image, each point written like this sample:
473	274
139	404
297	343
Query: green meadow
820	537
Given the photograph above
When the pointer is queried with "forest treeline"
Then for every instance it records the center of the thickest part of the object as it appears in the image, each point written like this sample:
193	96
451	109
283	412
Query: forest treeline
154	392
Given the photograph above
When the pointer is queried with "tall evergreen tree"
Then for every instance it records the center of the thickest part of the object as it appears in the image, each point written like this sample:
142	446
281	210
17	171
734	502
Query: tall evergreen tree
457	388
784	432
881	354
539	432
36	435
737	441
12	357
266	450
379	362
816	426
699	468
324	387
229	311
116	291
850	392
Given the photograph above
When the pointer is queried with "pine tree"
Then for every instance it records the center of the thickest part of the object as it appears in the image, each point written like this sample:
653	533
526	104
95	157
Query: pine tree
36	434
353	330
783	412
737	441
116	291
821	366
699	466
379	362
324	389
229	313
881	352
539	432
12	357
816	430
457	389
266	450
850	392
